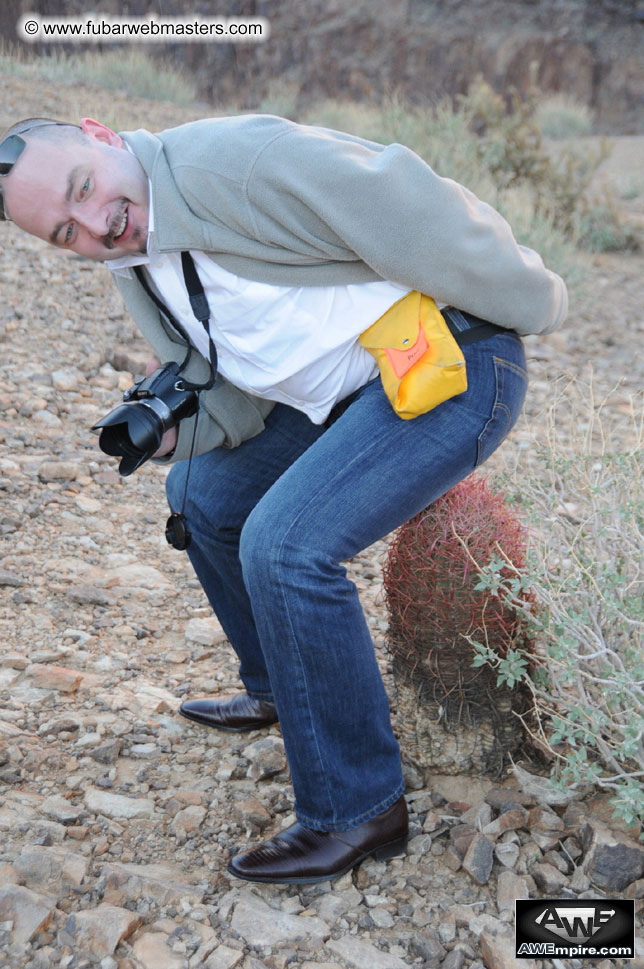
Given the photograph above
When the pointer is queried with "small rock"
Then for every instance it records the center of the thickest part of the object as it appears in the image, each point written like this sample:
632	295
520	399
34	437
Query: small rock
14	661
557	860
117	806
11	579
143	751
251	811
100	930
507	853
57	471
153	951
546	839
452	858
420	845
612	861
447	928
381	917
60	809
461	837
106	753
65	724
48	419
509	888
51	868
89	505
89	594
453	960
543	819
479	816
266	756
47	677
432	822
479	859
548	878
333	905
223	957
162	884
261	925
635	889
427	944
188	821
65	380
497	947
361	954
205	632
508	821
137	578
29	912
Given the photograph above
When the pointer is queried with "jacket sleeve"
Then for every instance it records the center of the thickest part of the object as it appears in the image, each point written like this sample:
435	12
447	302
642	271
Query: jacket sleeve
411	226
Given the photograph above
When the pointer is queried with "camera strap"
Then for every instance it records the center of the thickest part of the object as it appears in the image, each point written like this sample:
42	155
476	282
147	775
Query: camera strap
200	308
176	531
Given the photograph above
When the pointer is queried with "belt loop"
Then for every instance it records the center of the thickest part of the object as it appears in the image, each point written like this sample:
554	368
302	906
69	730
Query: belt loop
457	320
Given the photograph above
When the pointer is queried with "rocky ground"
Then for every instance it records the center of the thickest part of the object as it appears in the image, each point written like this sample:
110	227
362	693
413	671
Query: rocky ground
117	816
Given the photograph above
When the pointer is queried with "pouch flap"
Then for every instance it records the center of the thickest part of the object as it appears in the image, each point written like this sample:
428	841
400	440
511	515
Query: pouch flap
397	329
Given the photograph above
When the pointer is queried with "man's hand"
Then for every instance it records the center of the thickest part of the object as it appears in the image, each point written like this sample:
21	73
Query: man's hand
169	439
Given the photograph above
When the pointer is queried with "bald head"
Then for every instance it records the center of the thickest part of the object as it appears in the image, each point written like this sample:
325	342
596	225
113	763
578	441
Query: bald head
46	129
76	187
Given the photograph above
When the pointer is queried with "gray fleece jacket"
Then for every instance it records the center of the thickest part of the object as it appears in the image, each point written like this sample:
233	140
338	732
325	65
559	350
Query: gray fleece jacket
288	204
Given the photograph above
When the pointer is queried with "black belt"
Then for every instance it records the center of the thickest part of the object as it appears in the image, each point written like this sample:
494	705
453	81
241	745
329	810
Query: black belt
475	328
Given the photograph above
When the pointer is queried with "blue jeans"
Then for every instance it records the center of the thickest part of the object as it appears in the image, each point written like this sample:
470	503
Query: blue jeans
271	523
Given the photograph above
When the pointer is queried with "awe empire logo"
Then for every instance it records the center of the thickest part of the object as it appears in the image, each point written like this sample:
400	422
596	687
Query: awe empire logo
574	924
570	927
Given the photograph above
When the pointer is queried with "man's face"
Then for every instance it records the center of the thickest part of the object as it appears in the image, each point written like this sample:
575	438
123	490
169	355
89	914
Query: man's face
89	196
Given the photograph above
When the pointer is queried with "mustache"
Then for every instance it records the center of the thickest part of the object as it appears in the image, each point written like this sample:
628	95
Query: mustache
108	239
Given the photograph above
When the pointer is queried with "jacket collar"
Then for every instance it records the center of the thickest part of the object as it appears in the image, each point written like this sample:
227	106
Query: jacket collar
175	226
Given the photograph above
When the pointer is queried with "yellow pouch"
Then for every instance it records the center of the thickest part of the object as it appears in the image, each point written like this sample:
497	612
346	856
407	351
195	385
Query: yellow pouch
420	362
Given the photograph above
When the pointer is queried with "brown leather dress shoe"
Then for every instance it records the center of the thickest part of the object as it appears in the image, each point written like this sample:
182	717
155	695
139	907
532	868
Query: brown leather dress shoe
302	856
235	713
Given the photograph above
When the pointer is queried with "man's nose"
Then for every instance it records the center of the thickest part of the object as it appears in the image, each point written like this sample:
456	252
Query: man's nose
93	218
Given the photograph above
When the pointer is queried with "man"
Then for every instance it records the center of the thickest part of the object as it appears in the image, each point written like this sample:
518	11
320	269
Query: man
302	237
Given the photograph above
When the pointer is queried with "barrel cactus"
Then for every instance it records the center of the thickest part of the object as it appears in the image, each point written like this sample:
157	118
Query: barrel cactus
452	716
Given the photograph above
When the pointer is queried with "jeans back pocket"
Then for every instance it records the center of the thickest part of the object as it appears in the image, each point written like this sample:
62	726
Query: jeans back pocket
511	385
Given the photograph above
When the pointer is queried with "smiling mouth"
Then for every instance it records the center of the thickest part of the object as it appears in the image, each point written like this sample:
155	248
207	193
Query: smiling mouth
121	227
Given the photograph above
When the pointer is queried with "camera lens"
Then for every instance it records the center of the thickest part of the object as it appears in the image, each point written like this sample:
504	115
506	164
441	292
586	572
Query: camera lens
133	434
134	430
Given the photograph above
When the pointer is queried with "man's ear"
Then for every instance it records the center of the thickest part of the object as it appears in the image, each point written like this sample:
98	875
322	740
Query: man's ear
101	132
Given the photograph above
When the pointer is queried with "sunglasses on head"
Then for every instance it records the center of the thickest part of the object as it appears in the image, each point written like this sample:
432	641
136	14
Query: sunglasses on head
12	147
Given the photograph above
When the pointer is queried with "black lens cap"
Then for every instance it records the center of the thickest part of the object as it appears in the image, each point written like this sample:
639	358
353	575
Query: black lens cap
176	532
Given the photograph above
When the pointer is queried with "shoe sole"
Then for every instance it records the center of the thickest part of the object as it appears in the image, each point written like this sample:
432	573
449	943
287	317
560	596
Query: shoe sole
393	849
220	726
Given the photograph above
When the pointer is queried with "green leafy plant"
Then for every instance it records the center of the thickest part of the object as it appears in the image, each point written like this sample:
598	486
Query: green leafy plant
585	567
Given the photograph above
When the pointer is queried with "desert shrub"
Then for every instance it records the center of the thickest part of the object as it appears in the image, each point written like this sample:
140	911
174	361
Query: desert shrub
127	70
584	500
510	146
562	116
437	609
601	230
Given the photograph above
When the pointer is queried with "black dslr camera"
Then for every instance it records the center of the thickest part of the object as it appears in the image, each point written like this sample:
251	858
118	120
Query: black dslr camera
133	431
